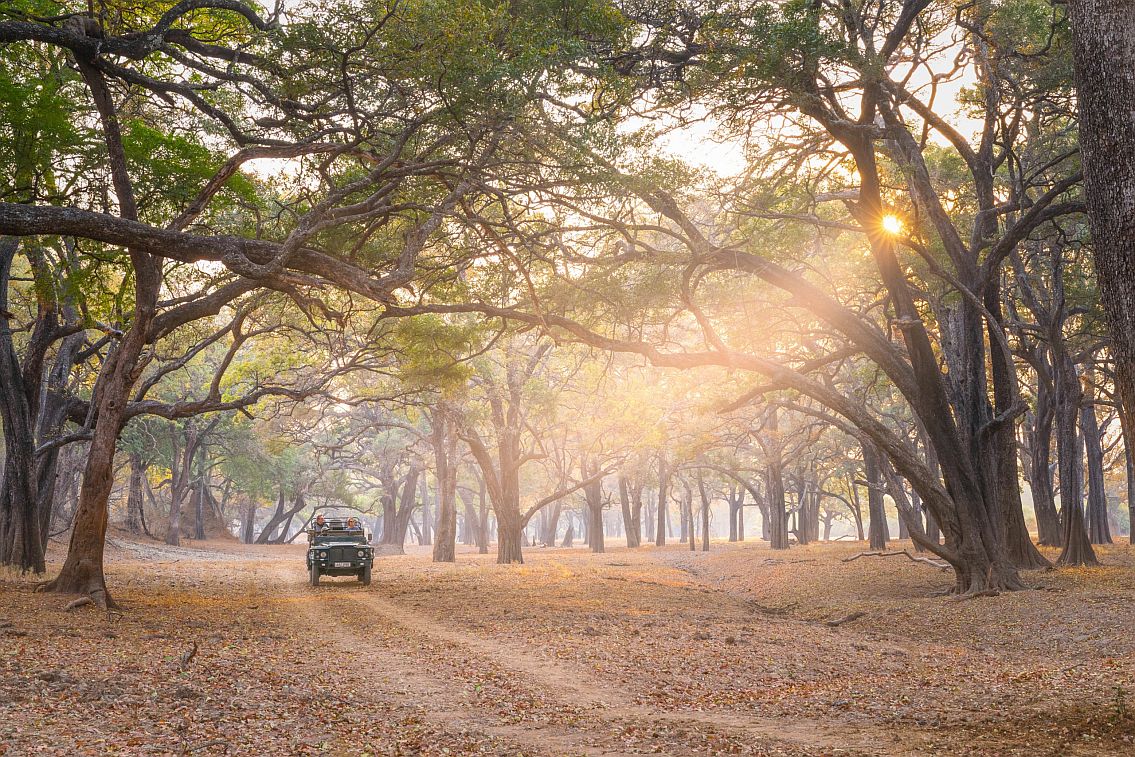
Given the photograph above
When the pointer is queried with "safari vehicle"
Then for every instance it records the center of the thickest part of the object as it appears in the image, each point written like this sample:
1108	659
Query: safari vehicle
338	547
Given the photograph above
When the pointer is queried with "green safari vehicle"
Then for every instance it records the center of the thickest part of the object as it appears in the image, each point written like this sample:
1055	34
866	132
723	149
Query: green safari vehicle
338	547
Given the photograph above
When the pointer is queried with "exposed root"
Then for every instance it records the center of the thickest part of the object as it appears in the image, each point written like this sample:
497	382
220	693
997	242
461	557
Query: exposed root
940	564
93	589
80	602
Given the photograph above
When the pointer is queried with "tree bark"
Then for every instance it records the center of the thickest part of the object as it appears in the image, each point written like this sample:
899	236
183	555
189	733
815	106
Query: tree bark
1077	548
704	515
248	521
774	477
876	513
82	571
20	541
510	535
593	496
444	439
1103	46
1040	468
631	501
427	511
663	502
1129	468
1099	531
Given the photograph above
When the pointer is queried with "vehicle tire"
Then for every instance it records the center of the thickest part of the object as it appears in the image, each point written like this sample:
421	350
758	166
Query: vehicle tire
364	576
314	574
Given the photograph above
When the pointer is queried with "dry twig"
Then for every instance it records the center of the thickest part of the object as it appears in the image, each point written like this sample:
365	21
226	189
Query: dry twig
941	564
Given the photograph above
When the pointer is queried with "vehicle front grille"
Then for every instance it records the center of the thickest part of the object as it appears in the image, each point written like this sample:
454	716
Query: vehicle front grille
343	554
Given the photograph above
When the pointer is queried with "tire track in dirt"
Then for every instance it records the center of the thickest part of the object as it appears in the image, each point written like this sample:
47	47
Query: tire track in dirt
389	669
575	687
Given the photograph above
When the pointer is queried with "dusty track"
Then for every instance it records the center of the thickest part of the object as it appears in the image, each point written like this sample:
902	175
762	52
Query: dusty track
426	665
653	651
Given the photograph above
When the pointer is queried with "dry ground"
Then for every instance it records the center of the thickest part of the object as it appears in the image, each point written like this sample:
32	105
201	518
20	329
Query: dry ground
631	652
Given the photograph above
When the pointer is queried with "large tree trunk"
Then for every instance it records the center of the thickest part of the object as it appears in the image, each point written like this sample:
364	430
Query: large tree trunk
663	505
468	521
50	423
1099	531
199	511
426	531
593	496
389	517
181	480
1129	468
704	516
135	499
876	513
284	526
951	407
82	571
406	506
21	544
1040	469
736	508
732	515
1103	37
551	523
248	521
510	535
483	520
855	504
444	439
1077	549
741	517
631	500
1003	474
685	527
777	518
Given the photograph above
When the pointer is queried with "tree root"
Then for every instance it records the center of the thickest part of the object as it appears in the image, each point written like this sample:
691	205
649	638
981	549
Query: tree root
93	590
940	564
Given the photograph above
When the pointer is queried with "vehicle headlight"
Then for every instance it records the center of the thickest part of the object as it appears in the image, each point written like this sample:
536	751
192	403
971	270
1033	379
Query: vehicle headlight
323	554
362	554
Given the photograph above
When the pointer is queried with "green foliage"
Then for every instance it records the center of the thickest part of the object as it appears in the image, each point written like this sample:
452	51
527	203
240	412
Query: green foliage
431	350
170	169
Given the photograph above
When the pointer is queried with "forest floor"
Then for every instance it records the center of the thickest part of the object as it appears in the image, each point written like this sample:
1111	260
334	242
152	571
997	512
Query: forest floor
630	652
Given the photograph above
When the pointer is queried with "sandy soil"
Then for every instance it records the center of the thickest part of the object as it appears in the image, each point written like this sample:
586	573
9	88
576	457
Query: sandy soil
630	652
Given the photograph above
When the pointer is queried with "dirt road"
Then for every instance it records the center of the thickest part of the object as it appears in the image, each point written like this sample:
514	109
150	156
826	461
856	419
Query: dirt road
655	651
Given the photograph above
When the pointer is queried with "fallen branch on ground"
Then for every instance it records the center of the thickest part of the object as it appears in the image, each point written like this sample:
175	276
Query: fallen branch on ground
188	655
845	619
941	564
80	602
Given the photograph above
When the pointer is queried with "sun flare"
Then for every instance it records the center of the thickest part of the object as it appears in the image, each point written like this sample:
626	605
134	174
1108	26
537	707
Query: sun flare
892	224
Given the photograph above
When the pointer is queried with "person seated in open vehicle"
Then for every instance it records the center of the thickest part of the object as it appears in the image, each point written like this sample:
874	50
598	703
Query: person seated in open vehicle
318	526
353	526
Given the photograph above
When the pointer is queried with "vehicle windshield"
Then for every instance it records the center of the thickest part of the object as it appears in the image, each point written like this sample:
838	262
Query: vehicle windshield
328	536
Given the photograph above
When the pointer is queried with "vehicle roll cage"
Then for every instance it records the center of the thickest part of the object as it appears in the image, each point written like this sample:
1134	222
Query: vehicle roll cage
333	524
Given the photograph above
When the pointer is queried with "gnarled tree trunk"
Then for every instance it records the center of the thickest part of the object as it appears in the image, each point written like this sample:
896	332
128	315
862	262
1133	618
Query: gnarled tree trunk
1103	37
82	571
1099	531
